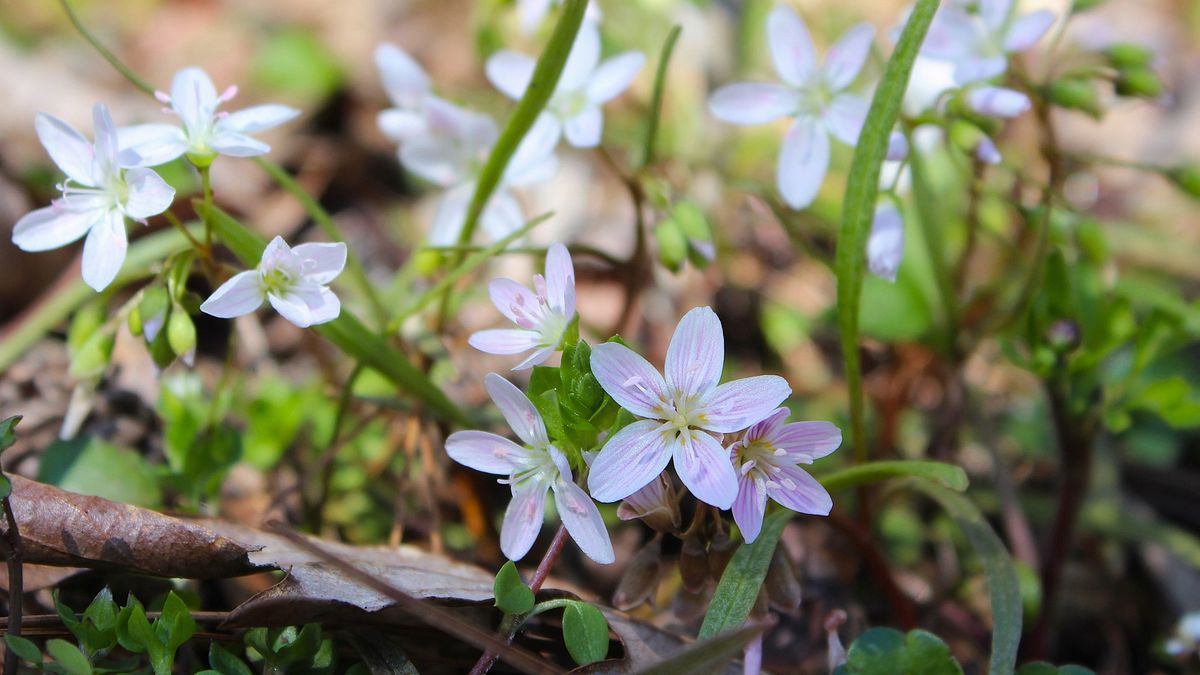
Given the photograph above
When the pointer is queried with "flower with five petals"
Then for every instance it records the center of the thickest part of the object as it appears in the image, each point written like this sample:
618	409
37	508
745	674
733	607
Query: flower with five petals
978	35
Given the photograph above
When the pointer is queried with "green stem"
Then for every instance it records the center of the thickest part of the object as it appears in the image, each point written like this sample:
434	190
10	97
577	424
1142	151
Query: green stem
660	77
933	232
206	187
108	56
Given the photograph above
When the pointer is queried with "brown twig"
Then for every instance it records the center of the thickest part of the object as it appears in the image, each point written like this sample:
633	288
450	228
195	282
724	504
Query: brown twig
10	546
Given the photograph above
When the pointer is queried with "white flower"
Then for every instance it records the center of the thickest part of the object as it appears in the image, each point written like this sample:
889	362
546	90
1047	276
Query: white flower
206	132
97	196
814	95
451	152
408	87
543	316
885	245
531	12
998	101
978	42
584	86
532	470
294	280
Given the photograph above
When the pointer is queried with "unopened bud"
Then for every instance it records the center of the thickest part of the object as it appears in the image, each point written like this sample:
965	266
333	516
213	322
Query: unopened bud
1075	93
672	244
720	550
693	564
781	585
998	101
1063	335
641	577
1138	83
656	505
1124	55
837	653
1187	179
181	335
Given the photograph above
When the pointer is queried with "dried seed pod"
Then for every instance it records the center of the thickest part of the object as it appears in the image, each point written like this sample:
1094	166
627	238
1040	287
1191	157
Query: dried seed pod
782	586
720	550
693	564
640	579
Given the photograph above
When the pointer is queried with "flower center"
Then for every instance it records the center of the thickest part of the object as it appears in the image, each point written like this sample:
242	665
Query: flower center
761	459
537	465
277	280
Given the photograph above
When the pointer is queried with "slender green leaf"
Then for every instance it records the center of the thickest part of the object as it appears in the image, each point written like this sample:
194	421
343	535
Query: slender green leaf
224	662
947	475
707	656
24	648
512	595
660	81
858	209
175	624
585	630
739	585
1003	586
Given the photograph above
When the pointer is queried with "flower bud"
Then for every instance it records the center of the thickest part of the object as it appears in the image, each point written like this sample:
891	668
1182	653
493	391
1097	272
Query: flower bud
1124	55
1138	83
672	244
181	335
781	585
837	653
91	358
1063	335
656	505
1187	179
720	550
998	101
1075	93
640	579
693	564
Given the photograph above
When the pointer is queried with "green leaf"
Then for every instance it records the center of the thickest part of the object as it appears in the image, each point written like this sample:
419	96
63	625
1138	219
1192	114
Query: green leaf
297	63
858	211
133	629
585	630
175	624
93	466
656	99
707	656
1002	580
739	585
303	645
947	475
69	657
887	651
224	662
8	435
25	649
512	595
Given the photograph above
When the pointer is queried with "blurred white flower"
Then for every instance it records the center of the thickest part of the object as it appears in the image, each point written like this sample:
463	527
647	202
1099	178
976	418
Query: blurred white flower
998	101
530	13
206	132
408	87
584	86
814	95
98	194
885	245
978	35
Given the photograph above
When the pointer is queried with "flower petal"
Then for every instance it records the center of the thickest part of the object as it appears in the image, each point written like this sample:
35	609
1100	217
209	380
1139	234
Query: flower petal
484	451
630	379
518	410
897	148
510	72
582	60
505	340
257	118
768	426
403	78
614	76
810	440
560	280
529	162
107	145
791	46
322	262
584	130
537	358
950	35
749	507
523	519
153	144
67	147
994	13
847	55
632	458
293	308
502	216
235	144
704	467
885	245
802	162
998	101
975	69
241	295
987	152
582	520
323	304
733	406
845	117
513	300
794	488
104	250
753	102
451	214
400	125
1026	30
52	227
531	13
194	98
149	194
696	354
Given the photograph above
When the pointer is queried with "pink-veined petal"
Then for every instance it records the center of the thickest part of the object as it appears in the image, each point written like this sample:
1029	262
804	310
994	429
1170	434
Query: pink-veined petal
749	507
510	72
845	116
53	227
400	125
484	451
582	520
322	262
885	245
582	60
153	144
512	299
235	144
535	359
149	194
975	69
504	340
768	426
630	379
104	250
811	440
704	467
614	76
632	458
998	101
696	354
240	295
523	519
257	118
791	46
1026	30
518	410
584	130
403	78
560	279
802	162
753	102
67	147
847	55
194	98
794	488
736	405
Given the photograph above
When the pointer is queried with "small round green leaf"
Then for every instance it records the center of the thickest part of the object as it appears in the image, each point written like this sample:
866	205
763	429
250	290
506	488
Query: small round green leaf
512	595
24	649
69	657
585	630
